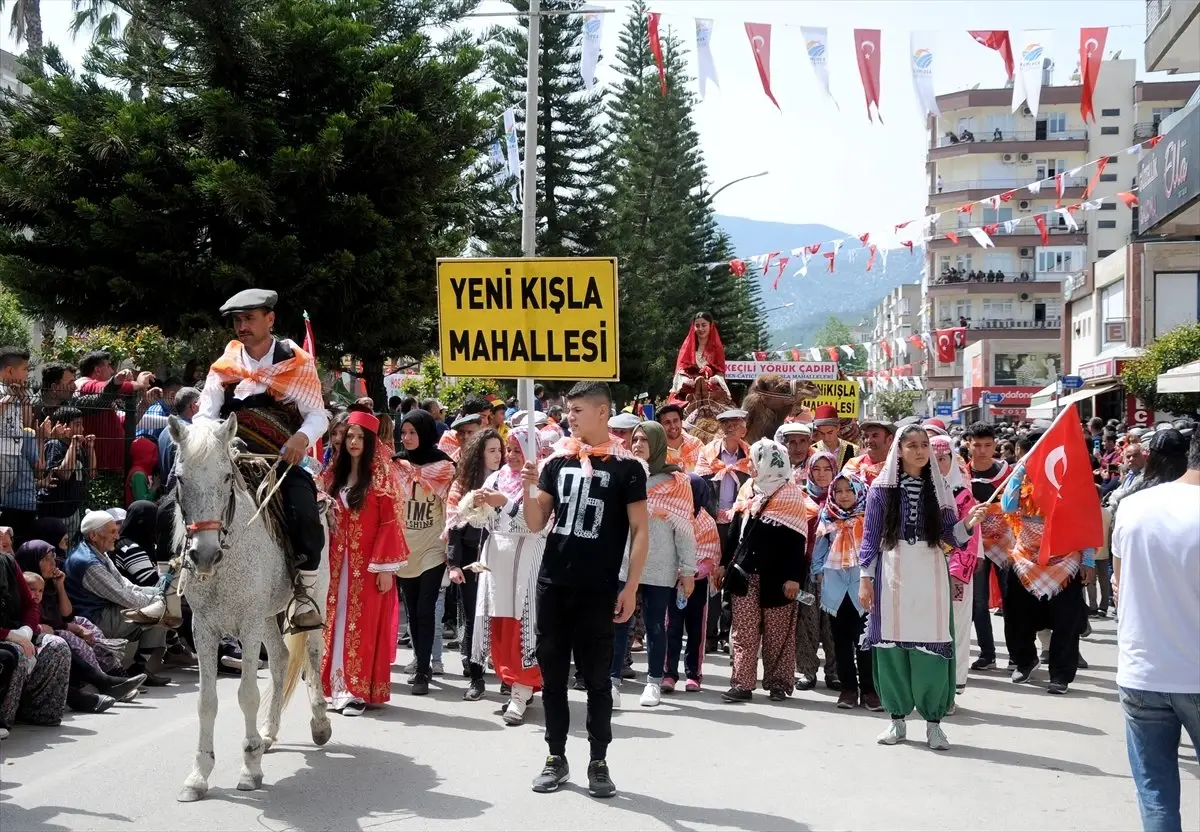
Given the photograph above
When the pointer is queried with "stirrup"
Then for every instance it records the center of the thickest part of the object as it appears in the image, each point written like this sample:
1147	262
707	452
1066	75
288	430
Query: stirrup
290	615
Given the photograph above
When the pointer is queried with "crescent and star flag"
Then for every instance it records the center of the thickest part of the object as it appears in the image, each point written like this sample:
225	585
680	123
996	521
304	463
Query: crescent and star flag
656	49
996	39
866	48
1060	474
1091	53
589	57
760	41
1027	85
816	44
704	56
1040	222
959	333
945	345
921	56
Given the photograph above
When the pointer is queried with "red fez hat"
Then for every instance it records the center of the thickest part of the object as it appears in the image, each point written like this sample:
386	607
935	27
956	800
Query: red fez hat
826	414
366	421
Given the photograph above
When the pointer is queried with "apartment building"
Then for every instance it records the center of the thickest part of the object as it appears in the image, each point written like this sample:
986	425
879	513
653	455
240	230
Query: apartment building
893	320
1010	297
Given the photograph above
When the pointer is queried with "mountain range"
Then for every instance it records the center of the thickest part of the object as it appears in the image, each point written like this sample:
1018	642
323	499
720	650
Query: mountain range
849	293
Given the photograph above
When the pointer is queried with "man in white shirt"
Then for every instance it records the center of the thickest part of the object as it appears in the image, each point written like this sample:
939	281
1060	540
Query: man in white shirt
273	387
1156	544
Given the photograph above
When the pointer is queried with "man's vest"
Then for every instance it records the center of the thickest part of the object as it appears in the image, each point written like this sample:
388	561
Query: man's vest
264	423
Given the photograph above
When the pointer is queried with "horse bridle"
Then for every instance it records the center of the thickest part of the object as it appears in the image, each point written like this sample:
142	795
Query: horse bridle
224	526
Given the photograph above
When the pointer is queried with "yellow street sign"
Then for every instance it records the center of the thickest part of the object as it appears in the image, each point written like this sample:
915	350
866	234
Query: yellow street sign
841	394
543	318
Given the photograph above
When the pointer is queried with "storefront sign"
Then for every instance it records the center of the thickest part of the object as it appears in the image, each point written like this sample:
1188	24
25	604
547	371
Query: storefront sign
1104	368
841	394
790	370
1169	174
543	318
1136	413
1018	397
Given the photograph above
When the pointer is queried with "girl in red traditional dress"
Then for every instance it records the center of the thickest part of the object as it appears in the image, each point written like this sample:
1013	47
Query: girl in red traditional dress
366	548
701	361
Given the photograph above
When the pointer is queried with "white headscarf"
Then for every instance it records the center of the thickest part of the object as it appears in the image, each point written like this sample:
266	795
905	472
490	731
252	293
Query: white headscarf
771	466
889	477
942	444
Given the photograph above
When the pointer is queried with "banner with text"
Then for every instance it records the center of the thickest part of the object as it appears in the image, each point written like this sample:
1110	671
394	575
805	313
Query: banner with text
841	394
790	370
544	318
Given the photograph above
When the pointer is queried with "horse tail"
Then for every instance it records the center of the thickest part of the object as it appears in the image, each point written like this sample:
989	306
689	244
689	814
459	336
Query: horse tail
297	645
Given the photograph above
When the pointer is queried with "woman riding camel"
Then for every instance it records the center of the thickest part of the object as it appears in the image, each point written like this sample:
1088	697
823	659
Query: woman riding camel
701	362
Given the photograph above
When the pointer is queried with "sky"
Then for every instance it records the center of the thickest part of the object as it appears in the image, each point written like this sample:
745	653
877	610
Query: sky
826	164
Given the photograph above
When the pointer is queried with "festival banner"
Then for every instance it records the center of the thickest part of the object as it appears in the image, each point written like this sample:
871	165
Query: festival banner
816	44
866	47
760	41
496	157
589	58
652	19
921	57
1027	84
1091	53
708	67
790	370
510	140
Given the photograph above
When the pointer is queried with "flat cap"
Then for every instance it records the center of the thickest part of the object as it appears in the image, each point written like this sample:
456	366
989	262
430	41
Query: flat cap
624	421
465	420
789	428
877	423
733	413
248	299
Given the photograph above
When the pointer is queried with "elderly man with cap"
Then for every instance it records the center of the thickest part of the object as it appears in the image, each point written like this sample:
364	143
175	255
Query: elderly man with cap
797	438
876	442
272	386
450	442
827	427
99	593
622	425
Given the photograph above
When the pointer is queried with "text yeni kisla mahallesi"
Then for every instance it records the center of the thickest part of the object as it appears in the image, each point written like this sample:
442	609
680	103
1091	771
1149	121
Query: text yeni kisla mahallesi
526	293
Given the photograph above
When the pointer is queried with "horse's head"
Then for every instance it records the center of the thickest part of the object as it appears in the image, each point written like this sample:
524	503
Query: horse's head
205	491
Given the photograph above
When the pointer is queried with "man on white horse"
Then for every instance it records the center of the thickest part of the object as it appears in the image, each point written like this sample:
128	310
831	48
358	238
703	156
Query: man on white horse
273	387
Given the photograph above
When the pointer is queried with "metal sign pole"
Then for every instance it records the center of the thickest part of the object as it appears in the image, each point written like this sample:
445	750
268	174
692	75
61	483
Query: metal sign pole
529	201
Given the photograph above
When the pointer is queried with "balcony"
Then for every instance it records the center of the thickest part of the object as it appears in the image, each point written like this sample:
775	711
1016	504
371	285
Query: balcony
1013	142
973	190
972	278
1026	236
1172	32
1015	325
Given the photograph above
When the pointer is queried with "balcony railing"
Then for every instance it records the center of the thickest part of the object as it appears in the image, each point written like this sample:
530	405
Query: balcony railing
1156	10
1005	323
1009	184
1146	129
1025	229
956	277
945	140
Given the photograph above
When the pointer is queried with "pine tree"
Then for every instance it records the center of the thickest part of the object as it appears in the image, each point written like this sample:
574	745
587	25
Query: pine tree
570	208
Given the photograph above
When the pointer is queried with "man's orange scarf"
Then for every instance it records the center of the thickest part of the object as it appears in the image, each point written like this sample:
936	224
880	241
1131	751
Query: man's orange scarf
574	448
711	464
786	507
294	380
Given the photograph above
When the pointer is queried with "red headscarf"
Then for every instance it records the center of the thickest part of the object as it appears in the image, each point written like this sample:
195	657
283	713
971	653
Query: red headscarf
714	351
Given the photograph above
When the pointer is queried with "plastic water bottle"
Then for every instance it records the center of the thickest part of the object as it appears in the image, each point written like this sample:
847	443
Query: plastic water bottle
681	600
807	598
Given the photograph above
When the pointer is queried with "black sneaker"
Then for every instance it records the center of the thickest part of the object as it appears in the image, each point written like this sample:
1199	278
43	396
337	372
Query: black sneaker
833	683
1021	675
983	664
806	681
599	783
554	774
474	691
627	672
505	689
1057	688
1081	664
778	695
736	694
420	685
1087	630
579	684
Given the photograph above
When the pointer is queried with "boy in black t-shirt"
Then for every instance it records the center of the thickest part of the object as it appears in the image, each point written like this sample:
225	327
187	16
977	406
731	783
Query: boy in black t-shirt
592	494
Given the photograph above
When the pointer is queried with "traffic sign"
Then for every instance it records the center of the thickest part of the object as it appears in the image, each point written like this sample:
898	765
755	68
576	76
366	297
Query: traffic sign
944	409
993	398
1072	382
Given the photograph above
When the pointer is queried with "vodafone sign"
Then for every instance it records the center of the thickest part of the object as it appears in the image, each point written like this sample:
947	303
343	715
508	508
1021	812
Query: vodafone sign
790	370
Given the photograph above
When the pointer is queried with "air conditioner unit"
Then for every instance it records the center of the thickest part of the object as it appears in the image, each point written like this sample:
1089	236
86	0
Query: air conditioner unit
1006	158
1026	252
1024	204
1025	111
1025	296
1025	157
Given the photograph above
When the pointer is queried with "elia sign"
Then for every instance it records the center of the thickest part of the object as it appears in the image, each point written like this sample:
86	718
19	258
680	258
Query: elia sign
544	318
1169	174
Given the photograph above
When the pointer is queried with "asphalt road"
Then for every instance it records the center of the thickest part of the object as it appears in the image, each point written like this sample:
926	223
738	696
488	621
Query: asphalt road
1019	759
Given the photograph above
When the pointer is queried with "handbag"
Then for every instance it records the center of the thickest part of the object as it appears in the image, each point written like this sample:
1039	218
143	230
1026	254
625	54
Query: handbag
737	579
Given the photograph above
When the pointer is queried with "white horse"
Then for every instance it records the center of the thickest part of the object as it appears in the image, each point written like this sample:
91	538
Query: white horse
236	581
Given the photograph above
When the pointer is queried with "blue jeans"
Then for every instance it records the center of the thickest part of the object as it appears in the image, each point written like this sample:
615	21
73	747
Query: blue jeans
1152	730
654	610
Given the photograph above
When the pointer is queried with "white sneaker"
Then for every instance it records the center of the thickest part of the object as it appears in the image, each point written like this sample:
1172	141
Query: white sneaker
616	691
3	733
897	732
651	696
355	707
936	737
951	710
410	668
438	668
514	714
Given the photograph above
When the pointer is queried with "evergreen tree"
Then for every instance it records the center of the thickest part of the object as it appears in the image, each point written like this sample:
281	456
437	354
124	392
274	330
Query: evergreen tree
327	150
570	207
834	333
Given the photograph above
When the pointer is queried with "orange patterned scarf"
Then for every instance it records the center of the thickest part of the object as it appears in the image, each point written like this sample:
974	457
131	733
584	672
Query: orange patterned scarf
786	507
435	477
708	544
671	501
573	448
688	454
294	380
711	464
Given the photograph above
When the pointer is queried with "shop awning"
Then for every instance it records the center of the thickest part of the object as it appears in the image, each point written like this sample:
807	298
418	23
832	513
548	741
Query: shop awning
1046	394
1046	410
1184	379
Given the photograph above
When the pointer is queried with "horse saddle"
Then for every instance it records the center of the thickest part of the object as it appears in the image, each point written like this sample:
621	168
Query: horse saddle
261	476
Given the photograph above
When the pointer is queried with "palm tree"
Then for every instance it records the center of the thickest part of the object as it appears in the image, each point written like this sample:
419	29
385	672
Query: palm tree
26	25
110	19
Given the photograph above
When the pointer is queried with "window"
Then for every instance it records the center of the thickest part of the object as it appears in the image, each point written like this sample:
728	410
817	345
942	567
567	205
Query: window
1159	113
1112	304
962	309
1006	123
1047	168
991	215
1107	224
1104	252
1110	131
1111	111
1056	123
1108	177
1061	259
1112	160
1108	206
997	309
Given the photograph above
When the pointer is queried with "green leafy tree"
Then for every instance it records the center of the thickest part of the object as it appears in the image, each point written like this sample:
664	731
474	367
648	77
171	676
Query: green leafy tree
570	163
14	326
26	25
834	333
327	150
896	404
1178	347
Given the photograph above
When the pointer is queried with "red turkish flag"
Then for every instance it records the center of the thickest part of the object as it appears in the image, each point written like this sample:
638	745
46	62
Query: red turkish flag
833	354
1059	473
917	341
952	237
945	345
830	256
783	261
866	48
887	348
871	260
864	237
996	39
1130	200
760	42
960	336
813	249
1040	221
1091	53
656	50
1101	164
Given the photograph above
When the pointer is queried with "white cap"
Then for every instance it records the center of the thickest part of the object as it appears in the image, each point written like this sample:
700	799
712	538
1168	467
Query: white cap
117	513
789	428
94	520
732	413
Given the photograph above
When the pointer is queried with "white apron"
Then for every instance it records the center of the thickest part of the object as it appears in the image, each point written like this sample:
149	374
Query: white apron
914	595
